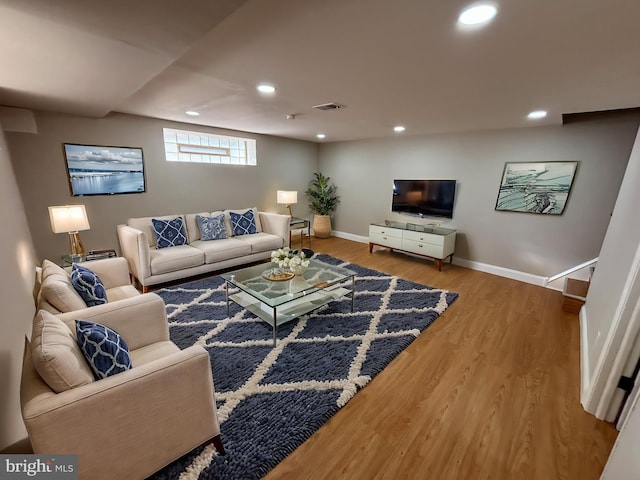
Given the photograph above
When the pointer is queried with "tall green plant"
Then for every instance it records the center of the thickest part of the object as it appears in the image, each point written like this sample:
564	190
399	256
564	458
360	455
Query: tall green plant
322	195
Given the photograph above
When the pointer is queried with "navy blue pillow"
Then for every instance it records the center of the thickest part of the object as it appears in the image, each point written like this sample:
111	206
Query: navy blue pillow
169	233
88	285
105	350
243	223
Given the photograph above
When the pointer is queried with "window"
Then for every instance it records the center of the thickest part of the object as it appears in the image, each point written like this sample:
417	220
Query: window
198	147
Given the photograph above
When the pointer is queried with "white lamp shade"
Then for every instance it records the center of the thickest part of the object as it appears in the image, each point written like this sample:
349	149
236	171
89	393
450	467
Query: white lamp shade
287	197
68	218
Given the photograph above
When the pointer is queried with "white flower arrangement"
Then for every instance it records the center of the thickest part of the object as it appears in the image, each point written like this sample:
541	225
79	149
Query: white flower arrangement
289	259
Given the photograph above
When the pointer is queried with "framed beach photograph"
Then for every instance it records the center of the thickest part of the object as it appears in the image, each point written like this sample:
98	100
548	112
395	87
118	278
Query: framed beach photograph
103	170
539	187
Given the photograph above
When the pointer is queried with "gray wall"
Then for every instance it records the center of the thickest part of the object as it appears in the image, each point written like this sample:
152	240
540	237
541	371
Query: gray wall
171	187
542	245
16	299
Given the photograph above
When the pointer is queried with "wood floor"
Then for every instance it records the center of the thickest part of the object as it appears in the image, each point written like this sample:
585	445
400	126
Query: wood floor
489	391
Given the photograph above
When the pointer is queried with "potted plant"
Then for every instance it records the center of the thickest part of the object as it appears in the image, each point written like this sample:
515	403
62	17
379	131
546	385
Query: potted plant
323	201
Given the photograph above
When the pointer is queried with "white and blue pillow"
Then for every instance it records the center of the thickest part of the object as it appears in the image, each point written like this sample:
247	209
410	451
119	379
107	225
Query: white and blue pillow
243	223
88	285
212	228
105	350
169	233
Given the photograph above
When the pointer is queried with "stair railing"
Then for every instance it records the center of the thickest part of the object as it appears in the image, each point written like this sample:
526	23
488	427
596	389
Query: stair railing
571	270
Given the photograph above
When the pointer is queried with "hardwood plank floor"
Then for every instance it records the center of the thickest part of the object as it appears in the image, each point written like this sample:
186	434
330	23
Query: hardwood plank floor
489	391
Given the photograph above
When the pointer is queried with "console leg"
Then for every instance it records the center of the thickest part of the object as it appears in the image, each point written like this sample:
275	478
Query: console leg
370	247
439	262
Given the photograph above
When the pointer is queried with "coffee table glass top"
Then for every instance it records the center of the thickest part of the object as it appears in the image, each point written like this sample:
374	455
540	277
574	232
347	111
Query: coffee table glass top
318	276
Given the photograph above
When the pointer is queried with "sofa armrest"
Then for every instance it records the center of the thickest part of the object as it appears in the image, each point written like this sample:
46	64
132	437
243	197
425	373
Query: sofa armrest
114	272
166	405
276	224
141	320
135	248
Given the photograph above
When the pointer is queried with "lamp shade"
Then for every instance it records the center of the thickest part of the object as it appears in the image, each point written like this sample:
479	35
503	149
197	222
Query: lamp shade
287	197
68	218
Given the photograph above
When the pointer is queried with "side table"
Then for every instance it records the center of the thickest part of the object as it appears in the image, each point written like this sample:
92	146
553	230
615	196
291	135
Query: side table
300	224
68	260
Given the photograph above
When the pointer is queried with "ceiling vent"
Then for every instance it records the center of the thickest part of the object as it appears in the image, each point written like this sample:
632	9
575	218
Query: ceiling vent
328	106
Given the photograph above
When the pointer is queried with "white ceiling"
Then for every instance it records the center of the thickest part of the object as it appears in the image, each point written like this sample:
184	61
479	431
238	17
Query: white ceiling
404	62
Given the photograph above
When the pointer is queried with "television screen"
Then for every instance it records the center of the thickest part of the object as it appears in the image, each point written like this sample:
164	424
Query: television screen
100	170
432	198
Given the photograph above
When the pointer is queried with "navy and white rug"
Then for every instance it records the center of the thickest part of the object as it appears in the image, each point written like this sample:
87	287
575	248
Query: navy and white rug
271	399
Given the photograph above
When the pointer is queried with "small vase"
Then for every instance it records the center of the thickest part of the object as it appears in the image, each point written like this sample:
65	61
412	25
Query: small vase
297	270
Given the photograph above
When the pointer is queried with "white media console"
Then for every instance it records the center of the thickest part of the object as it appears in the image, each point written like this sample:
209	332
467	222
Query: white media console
437	243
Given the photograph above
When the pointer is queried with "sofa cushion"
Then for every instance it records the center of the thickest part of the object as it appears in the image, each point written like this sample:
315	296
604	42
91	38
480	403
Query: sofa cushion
167	260
224	249
261	242
169	233
227	219
56	355
243	223
88	285
212	228
149	353
190	223
105	350
57	289
122	292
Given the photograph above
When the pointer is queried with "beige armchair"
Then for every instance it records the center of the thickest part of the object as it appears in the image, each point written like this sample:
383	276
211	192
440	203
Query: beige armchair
128	425
56	294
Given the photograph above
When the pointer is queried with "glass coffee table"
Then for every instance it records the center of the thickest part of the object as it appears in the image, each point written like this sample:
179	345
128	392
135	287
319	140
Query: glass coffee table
277	299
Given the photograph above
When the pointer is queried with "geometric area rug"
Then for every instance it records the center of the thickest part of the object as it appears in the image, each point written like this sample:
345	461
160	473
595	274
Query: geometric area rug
271	399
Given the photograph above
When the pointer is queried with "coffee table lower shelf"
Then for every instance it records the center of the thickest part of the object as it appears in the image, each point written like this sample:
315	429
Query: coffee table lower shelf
289	311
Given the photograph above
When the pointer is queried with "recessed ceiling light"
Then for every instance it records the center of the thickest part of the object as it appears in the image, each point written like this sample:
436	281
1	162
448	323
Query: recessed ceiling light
399	128
477	14
192	113
266	88
537	114
321	135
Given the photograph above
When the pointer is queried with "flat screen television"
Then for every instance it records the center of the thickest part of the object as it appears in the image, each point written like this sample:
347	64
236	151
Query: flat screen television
102	170
433	198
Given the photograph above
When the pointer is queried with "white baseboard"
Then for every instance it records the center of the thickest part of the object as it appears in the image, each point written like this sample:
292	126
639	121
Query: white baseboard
350	236
584	358
500	271
463	262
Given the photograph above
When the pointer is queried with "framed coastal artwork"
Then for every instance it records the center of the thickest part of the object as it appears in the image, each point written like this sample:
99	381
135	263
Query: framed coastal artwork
104	170
538	187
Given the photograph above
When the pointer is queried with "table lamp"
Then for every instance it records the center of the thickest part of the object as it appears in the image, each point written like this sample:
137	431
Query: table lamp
288	198
70	219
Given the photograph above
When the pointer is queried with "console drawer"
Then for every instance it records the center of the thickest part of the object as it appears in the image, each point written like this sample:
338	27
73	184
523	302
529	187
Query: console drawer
424	237
386	231
385	239
422	248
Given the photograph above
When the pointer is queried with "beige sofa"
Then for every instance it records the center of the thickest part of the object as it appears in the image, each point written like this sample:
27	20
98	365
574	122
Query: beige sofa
152	266
127	425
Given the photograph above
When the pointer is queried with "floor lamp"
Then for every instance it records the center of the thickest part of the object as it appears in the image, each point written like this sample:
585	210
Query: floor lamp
70	219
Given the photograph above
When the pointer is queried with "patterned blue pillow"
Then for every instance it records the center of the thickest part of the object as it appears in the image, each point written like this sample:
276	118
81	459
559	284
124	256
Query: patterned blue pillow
211	228
105	350
243	224
88	285
169	233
